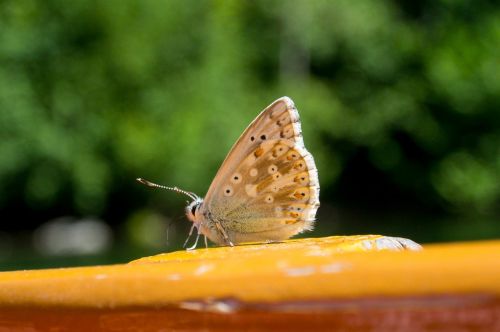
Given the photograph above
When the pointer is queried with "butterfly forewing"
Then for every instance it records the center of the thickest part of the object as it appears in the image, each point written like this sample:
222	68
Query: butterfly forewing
278	120
267	188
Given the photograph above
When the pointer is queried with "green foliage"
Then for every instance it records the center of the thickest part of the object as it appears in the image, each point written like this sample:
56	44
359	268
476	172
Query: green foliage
96	93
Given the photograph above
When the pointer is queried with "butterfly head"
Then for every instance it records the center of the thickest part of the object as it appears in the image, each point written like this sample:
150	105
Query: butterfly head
193	208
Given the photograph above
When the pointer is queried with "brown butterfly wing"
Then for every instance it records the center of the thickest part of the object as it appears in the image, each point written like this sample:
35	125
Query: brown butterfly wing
267	189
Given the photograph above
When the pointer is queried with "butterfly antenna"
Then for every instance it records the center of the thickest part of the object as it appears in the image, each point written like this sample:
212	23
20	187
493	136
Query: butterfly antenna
191	195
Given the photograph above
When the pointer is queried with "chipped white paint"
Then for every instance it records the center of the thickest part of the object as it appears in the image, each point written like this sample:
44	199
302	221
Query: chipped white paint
282	264
202	269
174	277
367	244
101	276
210	305
334	267
190	305
317	251
222	307
300	271
391	243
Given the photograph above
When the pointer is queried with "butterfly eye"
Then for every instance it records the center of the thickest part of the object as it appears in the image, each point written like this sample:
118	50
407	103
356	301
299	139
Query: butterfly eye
193	210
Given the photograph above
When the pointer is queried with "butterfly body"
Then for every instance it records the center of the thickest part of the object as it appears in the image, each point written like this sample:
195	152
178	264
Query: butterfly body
267	189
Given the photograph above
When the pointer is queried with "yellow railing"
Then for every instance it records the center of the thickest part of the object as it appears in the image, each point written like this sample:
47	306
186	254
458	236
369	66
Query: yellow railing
342	279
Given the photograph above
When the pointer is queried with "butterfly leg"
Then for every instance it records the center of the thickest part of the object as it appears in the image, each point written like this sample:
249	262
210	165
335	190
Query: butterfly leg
206	241
224	234
195	243
189	235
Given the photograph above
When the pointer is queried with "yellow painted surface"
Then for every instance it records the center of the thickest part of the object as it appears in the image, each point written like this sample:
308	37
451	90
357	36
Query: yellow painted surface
305	269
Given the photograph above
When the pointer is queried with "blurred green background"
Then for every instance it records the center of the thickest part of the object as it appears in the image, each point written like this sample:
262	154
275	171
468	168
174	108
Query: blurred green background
399	102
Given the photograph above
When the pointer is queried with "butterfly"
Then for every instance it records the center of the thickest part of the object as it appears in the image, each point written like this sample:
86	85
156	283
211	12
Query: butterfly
266	190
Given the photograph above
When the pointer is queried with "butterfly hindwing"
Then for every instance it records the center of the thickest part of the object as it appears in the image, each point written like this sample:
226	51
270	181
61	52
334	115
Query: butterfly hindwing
267	188
280	186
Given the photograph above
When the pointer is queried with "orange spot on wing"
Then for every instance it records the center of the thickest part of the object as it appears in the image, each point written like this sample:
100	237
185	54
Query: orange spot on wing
302	178
258	152
299	165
